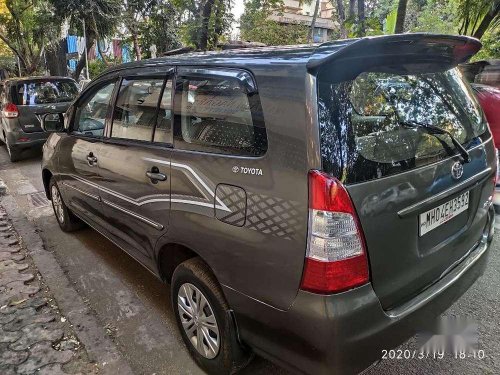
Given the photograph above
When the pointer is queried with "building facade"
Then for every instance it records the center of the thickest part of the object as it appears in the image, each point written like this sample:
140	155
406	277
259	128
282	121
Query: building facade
297	13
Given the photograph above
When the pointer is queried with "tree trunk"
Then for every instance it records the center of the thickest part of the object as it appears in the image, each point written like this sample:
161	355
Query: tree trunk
486	21
400	19
205	19
81	63
56	59
352	9
361	18
313	22
341	18
137	47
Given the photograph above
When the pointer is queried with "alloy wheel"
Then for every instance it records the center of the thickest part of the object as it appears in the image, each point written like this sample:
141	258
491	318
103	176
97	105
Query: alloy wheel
198	320
58	204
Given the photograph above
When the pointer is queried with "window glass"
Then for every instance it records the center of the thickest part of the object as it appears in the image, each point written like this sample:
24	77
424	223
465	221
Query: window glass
45	92
134	115
216	115
380	115
163	131
91	114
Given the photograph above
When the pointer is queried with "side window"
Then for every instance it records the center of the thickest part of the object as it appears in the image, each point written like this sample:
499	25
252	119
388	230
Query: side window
216	115
90	118
135	112
163	131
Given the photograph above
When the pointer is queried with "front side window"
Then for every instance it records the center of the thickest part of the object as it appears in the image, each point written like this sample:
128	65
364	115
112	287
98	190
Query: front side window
371	126
217	115
90	118
45	92
134	116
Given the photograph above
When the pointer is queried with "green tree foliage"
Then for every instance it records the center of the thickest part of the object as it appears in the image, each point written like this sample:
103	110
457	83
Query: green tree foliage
204	23
28	28
160	29
477	16
102	18
256	26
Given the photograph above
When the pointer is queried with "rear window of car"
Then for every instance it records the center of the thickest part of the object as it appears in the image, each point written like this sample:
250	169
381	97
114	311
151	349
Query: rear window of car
366	123
45	92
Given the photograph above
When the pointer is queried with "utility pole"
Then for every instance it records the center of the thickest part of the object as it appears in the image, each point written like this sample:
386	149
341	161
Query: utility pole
85	50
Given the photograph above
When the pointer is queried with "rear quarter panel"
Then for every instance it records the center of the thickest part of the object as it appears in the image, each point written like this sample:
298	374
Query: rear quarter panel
264	258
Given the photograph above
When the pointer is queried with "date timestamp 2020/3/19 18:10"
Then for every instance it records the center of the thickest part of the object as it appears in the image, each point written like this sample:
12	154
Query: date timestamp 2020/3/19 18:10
438	354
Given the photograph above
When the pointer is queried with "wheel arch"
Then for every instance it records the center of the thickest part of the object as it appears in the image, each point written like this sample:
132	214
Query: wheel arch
46	177
170	255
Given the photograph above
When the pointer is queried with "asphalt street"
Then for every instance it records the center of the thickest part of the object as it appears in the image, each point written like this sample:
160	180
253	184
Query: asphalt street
133	307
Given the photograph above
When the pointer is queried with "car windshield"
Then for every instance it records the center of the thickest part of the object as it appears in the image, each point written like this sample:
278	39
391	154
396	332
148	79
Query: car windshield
46	92
372	113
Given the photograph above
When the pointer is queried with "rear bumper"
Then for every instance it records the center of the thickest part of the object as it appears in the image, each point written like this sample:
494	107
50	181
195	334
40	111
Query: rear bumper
36	139
347	332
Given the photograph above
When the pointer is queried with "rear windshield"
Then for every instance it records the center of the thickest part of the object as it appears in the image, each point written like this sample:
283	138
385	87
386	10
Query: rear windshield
45	92
370	125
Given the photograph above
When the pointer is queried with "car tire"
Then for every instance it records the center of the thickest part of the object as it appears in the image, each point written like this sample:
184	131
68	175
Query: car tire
497	208
193	281
67	221
14	155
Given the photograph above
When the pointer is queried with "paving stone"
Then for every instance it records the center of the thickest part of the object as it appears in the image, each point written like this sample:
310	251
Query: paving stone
28	316
10	264
52	369
8	276
9	337
8	241
7	370
9	255
11	298
35	302
7	318
12	357
42	354
16	288
33	334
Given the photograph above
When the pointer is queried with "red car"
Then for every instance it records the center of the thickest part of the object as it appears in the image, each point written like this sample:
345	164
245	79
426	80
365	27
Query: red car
489	97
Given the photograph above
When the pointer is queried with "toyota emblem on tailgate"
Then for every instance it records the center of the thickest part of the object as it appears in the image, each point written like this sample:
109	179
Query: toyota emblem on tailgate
457	170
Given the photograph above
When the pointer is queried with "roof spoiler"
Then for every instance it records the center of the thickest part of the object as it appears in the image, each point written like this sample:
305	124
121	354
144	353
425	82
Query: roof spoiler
446	50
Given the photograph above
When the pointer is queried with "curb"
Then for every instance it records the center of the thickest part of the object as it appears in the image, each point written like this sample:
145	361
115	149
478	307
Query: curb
98	345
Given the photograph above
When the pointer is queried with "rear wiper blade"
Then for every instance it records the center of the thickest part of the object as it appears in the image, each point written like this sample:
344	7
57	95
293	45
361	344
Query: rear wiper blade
434	130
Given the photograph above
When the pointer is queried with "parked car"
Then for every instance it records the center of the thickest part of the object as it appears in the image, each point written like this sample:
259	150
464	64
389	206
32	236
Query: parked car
240	178
489	97
21	101
486	72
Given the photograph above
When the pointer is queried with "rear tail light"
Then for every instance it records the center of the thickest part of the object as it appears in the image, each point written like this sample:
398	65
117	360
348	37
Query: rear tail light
336	257
10	110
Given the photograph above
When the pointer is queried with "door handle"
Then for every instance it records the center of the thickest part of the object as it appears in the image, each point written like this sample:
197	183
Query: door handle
91	159
154	175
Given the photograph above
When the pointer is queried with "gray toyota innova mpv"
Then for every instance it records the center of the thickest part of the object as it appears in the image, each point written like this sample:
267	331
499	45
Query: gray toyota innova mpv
314	205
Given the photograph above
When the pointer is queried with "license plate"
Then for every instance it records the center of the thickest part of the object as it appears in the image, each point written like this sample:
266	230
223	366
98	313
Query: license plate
441	214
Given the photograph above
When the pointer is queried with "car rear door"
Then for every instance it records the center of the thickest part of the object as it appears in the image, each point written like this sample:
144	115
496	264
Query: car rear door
134	161
79	176
423	207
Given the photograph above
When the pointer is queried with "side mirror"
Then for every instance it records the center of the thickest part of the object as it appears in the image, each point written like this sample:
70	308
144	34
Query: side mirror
52	122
